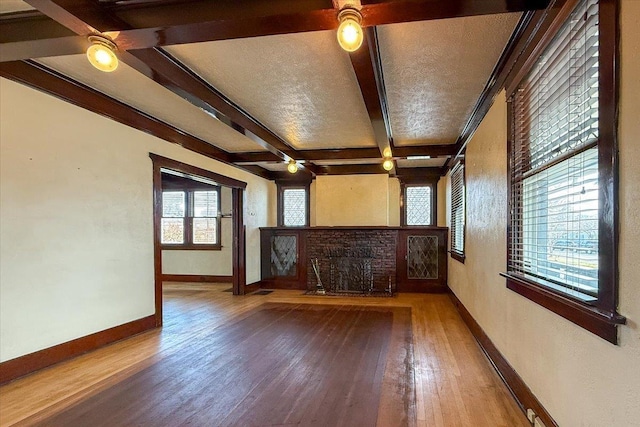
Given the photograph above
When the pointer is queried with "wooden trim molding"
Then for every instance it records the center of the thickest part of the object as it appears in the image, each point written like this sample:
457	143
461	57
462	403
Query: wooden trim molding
599	315
196	278
521	392
457	256
255	286
176	22
600	322
23	365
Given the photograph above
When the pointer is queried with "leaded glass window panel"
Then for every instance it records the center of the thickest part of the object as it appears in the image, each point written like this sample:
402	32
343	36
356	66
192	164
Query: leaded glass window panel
418	205
422	257
294	207
284	255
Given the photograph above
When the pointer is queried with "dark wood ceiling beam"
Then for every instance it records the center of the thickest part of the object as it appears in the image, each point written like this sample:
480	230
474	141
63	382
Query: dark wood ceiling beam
53	83
259	171
170	73
352	153
529	29
411	175
352	170
436	150
165	70
368	70
163	24
173	75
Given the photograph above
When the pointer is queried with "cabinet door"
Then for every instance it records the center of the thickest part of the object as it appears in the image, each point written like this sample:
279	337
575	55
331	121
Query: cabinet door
283	257
421	263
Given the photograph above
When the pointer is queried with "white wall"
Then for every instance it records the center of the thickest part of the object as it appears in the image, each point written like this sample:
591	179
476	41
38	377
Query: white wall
213	263
76	229
580	378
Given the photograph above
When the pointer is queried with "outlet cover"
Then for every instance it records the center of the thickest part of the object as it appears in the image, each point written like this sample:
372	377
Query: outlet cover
531	416
538	423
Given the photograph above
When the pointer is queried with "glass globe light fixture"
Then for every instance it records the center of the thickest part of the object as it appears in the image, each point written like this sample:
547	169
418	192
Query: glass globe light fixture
101	54
292	167
350	35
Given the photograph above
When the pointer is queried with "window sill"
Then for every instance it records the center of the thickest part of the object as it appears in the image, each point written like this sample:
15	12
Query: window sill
599	322
457	256
191	247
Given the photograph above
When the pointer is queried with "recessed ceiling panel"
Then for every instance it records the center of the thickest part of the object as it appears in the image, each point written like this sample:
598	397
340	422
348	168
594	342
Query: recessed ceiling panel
8	6
339	162
422	163
435	71
301	86
132	88
274	166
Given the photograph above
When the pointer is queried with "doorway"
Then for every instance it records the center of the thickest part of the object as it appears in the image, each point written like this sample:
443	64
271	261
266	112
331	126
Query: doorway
202	180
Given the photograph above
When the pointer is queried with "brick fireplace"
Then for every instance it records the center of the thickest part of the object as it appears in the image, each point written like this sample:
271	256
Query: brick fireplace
355	259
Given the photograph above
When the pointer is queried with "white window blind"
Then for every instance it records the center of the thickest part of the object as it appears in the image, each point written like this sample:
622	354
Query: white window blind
173	214
458	206
205	221
554	162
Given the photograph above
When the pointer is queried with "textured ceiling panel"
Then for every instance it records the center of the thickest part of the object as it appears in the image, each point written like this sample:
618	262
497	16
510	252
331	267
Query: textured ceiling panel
301	86
348	162
132	88
435	71
275	167
422	163
8	6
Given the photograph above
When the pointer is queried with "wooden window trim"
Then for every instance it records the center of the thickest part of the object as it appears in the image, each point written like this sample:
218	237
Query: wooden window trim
599	317
419	182
284	185
455	254
188	244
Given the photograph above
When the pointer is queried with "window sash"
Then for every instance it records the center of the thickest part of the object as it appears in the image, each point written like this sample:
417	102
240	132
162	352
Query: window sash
554	119
197	220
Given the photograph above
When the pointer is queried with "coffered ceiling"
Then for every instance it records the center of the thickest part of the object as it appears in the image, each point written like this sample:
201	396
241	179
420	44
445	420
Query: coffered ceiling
260	82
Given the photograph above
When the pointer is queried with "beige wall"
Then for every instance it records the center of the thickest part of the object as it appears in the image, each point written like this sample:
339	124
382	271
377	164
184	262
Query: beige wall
76	235
394	202
352	200
214	263
580	378
362	200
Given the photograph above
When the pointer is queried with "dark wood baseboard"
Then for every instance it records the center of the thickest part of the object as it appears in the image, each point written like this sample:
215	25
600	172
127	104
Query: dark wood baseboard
23	365
195	278
253	287
521	392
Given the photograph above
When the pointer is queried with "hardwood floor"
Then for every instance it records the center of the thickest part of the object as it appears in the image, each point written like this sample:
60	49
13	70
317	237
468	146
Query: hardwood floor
454	383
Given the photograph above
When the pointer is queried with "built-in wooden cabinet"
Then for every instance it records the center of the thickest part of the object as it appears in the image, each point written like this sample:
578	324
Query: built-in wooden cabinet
355	259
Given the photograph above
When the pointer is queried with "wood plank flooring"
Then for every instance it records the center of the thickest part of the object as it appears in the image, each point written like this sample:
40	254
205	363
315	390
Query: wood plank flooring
454	383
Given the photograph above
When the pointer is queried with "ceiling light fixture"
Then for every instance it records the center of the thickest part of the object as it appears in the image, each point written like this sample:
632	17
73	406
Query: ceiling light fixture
350	33
101	53
292	167
387	164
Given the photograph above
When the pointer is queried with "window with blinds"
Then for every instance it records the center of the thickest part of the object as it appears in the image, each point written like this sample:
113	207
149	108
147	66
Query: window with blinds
190	218
458	206
554	171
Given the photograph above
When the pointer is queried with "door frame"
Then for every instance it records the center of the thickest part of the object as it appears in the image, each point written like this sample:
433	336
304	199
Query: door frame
238	233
